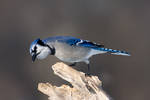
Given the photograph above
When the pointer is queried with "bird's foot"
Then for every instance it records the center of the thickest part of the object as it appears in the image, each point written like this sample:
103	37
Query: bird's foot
88	74
73	64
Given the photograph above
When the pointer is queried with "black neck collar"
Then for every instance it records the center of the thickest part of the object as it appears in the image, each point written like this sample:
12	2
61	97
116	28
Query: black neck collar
53	51
40	42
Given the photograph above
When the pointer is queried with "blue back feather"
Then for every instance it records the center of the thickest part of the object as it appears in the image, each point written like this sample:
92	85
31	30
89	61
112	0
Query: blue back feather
74	41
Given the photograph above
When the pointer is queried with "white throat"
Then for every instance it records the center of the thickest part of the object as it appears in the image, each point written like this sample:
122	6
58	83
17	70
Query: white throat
43	52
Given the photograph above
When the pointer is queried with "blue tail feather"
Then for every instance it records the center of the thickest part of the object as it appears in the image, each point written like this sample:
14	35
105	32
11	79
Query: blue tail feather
114	52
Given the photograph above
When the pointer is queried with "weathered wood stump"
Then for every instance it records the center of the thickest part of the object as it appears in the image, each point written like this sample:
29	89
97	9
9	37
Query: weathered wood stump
84	87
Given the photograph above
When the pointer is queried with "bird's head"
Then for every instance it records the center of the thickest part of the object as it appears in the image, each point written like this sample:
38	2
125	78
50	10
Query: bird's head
40	50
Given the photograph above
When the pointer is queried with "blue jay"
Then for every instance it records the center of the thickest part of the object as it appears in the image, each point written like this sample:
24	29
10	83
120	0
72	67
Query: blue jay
69	49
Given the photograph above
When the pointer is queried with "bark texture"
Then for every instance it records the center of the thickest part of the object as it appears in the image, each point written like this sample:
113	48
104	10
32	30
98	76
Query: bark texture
84	87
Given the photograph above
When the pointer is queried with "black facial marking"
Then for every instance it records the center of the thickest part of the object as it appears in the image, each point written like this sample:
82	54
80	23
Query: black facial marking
40	42
34	50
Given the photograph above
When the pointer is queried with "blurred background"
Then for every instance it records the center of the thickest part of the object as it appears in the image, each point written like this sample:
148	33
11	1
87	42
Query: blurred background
119	24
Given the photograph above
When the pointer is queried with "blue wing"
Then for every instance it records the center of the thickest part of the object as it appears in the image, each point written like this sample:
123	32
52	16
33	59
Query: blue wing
72	41
79	42
86	43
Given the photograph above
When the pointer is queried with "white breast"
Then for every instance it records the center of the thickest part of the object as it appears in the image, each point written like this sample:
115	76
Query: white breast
69	53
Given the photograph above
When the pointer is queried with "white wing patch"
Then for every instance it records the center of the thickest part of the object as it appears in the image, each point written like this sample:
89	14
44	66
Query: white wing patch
81	41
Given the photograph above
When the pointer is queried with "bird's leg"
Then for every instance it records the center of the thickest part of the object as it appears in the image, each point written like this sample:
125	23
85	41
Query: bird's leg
88	73
88	68
73	64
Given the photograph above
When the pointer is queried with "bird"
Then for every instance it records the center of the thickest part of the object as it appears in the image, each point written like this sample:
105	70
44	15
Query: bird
69	49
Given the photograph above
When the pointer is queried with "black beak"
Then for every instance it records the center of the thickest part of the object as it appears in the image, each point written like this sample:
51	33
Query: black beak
34	57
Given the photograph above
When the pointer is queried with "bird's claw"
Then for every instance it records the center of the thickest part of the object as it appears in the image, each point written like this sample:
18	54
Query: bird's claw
88	74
